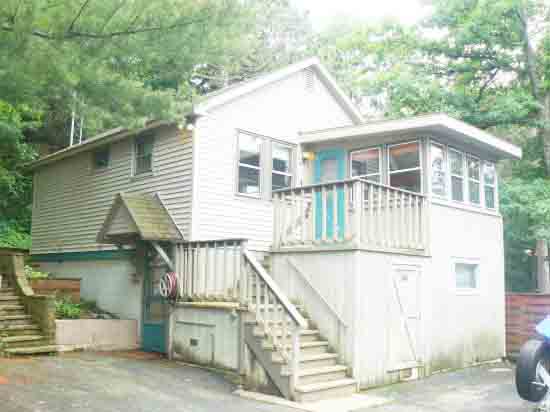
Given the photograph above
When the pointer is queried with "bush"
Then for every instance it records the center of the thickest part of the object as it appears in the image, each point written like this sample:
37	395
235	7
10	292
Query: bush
34	274
65	309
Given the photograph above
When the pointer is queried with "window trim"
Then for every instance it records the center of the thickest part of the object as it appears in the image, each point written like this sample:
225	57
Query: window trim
96	169
494	185
145	173
380	163
257	195
466	261
446	170
420	167
289	174
481	200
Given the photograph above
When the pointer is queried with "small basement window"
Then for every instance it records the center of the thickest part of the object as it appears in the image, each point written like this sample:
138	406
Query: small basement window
143	154
466	275
101	158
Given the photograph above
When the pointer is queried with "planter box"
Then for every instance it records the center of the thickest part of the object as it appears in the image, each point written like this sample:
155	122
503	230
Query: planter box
68	287
96	334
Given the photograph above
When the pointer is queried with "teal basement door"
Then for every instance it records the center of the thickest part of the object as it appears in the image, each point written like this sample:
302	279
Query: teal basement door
154	306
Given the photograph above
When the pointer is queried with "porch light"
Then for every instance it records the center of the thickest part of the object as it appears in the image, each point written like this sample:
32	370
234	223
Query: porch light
308	155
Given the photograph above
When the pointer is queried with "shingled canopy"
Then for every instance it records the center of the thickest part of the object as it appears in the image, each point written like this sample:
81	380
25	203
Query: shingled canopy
137	216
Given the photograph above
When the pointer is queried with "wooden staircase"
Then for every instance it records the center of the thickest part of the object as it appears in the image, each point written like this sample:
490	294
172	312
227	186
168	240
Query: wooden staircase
19	335
320	375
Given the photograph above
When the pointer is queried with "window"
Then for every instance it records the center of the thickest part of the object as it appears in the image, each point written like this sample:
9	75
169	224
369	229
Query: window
404	166
249	164
100	158
466	275
489	184
473	179
366	163
143	154
438	169
281	176
456	163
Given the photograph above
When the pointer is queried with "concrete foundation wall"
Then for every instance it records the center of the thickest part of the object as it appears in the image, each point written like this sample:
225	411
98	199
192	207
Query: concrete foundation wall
110	283
205	336
97	334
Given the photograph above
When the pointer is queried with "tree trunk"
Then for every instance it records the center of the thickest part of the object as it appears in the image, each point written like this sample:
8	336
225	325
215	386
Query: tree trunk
544	130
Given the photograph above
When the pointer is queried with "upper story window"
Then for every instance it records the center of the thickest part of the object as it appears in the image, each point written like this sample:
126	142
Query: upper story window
281	176
473	179
143	154
250	164
366	163
253	171
101	158
404	166
489	184
456	162
438	169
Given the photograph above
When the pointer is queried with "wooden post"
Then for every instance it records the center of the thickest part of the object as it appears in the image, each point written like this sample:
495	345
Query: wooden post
295	359
543	280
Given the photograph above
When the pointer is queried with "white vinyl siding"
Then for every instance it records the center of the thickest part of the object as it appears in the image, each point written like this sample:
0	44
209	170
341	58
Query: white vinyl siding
73	202
279	110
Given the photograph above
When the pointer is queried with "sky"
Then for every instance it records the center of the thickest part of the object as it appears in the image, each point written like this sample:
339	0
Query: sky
323	12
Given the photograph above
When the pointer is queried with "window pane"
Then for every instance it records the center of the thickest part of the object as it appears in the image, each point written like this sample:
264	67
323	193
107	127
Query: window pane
280	181
406	180
405	156
281	158
144	145
143	164
101	158
438	170
249	180
365	162
489	174
473	168
455	160
489	197
474	192
249	149
466	275
457	189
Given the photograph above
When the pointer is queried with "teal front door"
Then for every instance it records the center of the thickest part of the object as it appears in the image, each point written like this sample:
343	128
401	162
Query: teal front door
329	166
155	308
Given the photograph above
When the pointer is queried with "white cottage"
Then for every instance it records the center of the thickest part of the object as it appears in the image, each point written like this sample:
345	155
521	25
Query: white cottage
312	251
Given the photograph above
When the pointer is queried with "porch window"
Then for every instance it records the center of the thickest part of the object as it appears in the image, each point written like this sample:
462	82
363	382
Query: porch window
404	166
249	164
473	179
143	161
489	184
438	170
366	163
456	162
281	176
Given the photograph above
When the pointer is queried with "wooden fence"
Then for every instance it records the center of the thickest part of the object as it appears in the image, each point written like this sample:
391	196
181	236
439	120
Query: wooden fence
523	312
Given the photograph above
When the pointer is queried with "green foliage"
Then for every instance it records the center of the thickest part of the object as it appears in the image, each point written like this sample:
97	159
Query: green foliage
30	273
65	309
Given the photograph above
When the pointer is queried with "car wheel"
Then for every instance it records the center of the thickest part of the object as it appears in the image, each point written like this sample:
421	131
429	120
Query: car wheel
532	353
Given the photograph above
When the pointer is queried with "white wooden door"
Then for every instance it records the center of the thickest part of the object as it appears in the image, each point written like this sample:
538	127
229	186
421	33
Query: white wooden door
404	340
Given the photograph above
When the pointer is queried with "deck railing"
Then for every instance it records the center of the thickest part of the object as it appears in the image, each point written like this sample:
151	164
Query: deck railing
210	270
351	212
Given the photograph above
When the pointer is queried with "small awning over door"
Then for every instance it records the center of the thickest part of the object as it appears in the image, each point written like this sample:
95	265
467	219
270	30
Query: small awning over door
137	216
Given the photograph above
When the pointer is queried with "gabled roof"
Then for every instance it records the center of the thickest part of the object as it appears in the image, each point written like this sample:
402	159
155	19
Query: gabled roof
231	93
439	123
141	215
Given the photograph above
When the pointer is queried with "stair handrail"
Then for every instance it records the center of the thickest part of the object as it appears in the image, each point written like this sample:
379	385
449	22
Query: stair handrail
290	352
289	307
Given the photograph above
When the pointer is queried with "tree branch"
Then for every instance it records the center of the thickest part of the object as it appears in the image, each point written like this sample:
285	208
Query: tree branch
84	5
529	53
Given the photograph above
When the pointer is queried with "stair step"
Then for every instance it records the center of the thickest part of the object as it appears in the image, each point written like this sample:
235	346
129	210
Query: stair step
312	360
306	335
322	374
7	291
26	328
14	317
34	350
324	390
4	298
11	307
306	348
26	338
